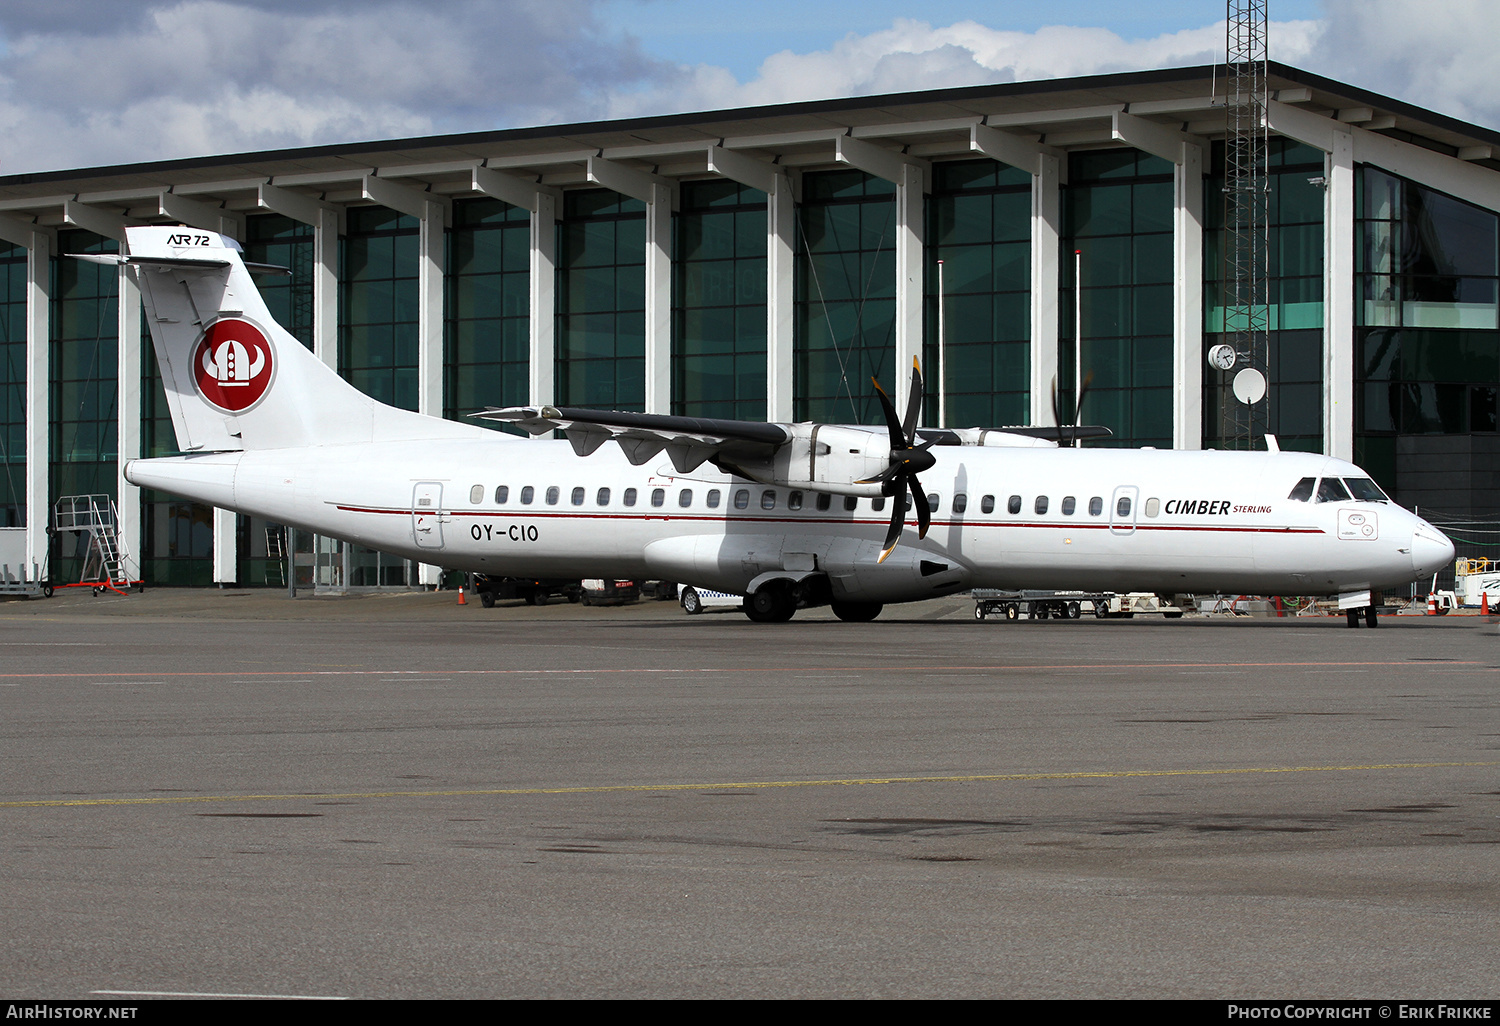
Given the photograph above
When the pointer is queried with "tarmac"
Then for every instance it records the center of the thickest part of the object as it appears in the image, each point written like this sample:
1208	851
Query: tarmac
209	792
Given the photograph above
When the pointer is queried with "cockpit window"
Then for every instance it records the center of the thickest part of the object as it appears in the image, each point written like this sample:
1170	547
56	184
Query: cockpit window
1365	490
1331	490
1304	489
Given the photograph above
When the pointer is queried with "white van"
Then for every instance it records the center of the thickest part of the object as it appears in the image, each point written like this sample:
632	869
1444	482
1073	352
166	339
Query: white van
696	600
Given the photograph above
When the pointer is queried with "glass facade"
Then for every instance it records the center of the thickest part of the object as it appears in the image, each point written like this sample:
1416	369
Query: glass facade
1427	348
1117	212
83	368
601	301
845	297
979	226
1295	318
378	305
487	330
282	242
719	302
13	386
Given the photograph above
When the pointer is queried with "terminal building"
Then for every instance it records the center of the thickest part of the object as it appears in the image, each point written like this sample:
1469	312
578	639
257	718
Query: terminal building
765	263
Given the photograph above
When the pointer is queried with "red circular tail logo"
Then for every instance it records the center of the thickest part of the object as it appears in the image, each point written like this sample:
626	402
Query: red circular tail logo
232	364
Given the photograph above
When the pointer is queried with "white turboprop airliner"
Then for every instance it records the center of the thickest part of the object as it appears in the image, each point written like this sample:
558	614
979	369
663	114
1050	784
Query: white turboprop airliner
787	514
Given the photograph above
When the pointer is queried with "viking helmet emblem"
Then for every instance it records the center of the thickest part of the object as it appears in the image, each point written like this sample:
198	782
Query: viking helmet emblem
230	363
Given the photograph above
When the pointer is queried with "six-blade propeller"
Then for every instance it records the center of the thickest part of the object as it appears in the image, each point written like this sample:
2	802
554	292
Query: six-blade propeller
907	460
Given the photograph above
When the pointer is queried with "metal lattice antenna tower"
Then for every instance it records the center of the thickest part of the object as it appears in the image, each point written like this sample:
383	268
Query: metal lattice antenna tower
1247	309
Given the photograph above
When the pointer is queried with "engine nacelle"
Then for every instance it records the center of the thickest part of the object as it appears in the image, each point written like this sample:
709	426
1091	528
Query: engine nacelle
830	458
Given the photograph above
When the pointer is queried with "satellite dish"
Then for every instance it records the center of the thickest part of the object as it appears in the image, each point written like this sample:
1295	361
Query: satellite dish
1249	386
1221	357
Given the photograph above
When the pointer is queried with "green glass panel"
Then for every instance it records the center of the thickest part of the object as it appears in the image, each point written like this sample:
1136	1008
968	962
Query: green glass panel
1152	206
1098	210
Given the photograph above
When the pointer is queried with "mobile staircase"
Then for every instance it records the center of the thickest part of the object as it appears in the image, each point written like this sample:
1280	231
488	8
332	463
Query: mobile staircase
104	563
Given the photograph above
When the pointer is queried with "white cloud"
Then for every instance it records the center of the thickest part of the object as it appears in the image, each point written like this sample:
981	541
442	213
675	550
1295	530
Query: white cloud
1442	56
914	55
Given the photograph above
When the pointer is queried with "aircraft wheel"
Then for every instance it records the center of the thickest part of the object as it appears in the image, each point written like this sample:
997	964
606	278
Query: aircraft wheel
772	603
691	604
542	598
573	596
1074	610
979	613
1174	615
1012	611
1371	620
858	612
487	599
531	598
1353	617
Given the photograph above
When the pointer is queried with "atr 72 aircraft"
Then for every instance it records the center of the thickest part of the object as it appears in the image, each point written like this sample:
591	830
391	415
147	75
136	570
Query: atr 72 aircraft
789	515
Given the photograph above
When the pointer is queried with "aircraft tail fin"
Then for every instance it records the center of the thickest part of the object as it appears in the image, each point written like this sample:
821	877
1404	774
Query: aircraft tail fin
234	378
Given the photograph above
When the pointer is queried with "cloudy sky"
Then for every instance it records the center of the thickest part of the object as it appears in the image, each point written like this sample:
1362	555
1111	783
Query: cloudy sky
93	82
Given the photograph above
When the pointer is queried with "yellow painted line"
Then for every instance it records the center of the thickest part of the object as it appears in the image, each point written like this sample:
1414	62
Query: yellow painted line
716	785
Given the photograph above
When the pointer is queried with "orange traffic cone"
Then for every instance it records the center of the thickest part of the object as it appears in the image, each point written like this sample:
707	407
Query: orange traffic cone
461	600
1431	604
1484	603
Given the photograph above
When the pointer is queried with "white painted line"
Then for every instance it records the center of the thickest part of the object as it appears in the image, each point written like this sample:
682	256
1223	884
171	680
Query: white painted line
206	994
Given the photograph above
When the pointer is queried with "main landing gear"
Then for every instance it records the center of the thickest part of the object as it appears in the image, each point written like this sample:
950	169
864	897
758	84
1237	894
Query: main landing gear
1368	612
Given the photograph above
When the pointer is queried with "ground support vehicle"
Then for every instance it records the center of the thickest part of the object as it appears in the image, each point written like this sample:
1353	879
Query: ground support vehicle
536	591
1039	605
597	592
696	600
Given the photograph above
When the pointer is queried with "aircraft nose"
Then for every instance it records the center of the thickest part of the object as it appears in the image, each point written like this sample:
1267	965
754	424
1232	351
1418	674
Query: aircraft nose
1430	550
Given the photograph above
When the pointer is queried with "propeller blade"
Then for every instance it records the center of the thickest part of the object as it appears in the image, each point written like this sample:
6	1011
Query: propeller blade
892	421
1083	392
913	403
893	535
919	499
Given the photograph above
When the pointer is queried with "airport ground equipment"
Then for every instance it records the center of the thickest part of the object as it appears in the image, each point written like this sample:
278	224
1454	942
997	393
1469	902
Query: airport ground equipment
1068	605
17	577
104	561
276	554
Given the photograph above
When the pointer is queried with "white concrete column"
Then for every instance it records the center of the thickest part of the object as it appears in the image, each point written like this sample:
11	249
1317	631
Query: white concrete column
659	299
1046	233
128	426
910	239
543	314
1338	299
431	262
326	286
38	399
781	236
1187	306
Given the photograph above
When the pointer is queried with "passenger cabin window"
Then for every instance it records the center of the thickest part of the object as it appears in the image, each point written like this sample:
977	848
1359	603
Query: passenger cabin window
1302	490
578	494
1069	504
1122	508
987	504
878	503
934	500
824	502
794	500
1365	490
768	499
553	494
1041	505
630	496
742	499
713	498
1013	504
603	497
685	498
658	497
476	494
527	494
502	495
1153	507
851	503
1096	506
1331	489
960	502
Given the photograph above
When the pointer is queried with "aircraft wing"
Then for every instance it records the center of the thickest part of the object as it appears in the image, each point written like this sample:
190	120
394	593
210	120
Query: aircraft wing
688	441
